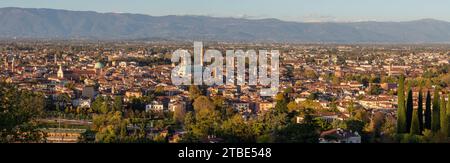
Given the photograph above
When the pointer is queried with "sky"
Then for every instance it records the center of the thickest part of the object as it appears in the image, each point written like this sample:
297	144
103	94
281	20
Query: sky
290	10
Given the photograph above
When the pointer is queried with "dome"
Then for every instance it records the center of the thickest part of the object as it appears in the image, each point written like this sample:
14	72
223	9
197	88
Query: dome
99	65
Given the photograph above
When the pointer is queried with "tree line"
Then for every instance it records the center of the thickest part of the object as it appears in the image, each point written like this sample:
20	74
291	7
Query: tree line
418	124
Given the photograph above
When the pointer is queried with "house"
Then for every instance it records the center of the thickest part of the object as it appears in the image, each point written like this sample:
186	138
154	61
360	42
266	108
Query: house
300	99
355	84
82	103
63	135
88	92
155	106
241	106
330	118
265	106
130	94
177	106
171	90
299	119
389	86
339	136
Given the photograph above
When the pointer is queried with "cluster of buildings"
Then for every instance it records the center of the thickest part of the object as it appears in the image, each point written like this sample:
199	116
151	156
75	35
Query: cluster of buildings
330	77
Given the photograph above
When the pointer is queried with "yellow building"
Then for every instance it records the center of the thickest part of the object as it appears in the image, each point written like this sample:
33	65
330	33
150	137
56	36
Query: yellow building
62	135
130	94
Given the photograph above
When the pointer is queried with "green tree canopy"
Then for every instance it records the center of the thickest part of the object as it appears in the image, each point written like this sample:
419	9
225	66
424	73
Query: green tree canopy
194	92
306	132
118	103
236	130
401	111
443	118
428	113
18	112
409	110
448	115
420	111
435	121
415	128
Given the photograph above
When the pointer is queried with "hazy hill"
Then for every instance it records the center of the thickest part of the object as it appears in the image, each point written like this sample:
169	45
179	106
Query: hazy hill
50	23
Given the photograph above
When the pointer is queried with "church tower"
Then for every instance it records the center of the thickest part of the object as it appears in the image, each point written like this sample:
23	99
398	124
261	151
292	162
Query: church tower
60	73
12	65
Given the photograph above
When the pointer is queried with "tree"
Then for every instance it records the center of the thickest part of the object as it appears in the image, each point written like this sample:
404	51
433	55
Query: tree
443	118
18	112
236	129
351	108
427	124
106	135
282	102
355	125
207	123
435	121
401	111
100	105
375	90
207	118
376	124
420	111
189	127
409	110
194	92
448	115
362	115
203	103
219	101
118	104
179	114
108	126
415	128
292	106
267	123
123	130
288	90
323	124
306	132
62	102
389	128
139	103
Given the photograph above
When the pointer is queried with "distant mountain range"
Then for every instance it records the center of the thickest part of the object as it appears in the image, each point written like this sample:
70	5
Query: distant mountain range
62	24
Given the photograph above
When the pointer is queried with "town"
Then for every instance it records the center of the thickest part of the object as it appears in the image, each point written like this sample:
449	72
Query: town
86	91
213	74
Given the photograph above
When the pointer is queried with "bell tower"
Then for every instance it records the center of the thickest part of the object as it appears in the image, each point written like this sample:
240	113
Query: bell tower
60	73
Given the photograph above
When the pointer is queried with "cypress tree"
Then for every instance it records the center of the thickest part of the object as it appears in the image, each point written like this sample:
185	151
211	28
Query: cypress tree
435	120
444	121
427	124
448	115
420	110
401	111
415	129
409	110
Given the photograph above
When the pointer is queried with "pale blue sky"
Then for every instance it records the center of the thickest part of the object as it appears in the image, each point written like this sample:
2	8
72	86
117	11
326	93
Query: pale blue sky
293	10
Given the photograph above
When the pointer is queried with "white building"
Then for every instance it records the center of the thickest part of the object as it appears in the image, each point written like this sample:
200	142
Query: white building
82	103
155	106
339	136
